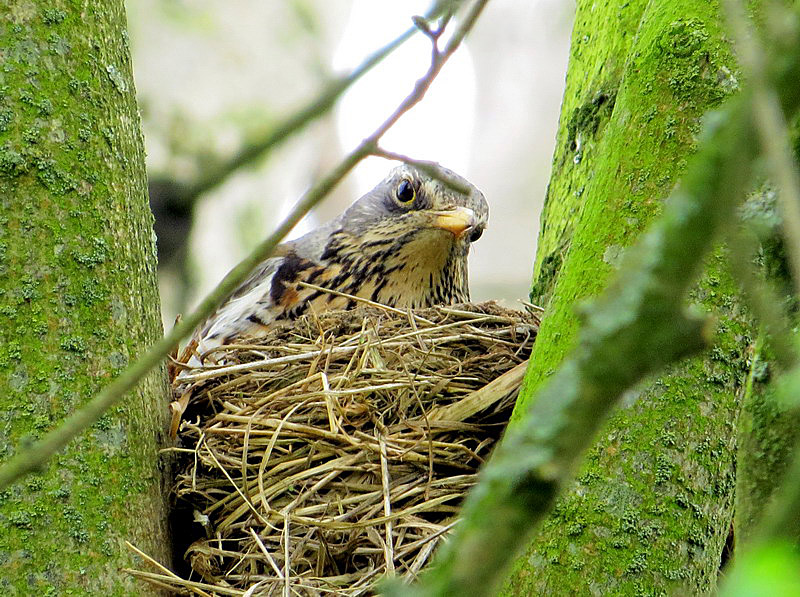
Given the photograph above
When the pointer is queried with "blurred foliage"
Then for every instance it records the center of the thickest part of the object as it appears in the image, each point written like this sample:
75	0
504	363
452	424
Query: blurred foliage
771	570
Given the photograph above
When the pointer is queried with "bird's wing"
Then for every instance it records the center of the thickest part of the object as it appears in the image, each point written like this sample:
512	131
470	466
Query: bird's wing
264	269
248	311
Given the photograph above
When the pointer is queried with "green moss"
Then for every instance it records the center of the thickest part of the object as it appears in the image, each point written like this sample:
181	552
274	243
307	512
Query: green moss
625	166
653	499
75	236
767	436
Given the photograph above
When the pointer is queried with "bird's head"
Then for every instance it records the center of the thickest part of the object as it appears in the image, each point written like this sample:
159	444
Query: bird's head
410	201
415	227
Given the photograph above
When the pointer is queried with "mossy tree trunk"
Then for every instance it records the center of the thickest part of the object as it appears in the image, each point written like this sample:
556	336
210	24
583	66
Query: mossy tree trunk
78	300
651	507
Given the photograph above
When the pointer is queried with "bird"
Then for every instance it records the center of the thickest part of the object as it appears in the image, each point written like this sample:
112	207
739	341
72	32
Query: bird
403	244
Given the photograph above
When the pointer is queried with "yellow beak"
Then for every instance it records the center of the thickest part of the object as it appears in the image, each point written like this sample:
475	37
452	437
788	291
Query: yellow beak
458	220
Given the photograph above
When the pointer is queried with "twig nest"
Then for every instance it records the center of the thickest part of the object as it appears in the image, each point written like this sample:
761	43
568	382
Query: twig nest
339	448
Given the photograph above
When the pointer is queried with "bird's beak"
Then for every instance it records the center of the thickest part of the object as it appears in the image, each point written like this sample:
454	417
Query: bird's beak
458	220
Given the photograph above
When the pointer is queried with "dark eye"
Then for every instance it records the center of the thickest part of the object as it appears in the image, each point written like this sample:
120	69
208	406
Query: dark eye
476	234
405	192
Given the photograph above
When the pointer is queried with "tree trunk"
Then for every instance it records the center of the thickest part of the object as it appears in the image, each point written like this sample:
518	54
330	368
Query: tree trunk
78	300
651	507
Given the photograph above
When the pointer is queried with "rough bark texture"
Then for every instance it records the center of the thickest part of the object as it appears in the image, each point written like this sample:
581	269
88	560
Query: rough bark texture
651	506
78	300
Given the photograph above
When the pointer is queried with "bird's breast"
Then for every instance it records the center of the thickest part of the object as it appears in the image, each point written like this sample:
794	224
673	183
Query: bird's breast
411	270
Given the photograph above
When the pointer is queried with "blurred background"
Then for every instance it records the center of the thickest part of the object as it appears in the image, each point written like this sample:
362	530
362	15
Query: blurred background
215	78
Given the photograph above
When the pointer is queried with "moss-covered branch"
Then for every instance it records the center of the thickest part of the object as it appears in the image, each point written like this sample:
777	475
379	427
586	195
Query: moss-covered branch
637	327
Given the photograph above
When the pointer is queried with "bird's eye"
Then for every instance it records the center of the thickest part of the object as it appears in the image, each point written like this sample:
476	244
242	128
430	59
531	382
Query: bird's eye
476	234
406	192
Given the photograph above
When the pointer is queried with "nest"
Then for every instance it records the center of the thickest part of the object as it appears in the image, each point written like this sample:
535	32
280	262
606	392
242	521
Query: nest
339	448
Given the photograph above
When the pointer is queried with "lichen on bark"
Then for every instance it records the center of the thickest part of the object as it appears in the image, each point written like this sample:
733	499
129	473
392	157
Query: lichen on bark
650	509
78	300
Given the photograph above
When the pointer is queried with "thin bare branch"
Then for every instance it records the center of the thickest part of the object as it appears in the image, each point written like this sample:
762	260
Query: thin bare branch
295	122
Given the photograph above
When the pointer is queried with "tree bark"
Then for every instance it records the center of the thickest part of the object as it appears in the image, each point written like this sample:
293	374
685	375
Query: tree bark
651	507
78	300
